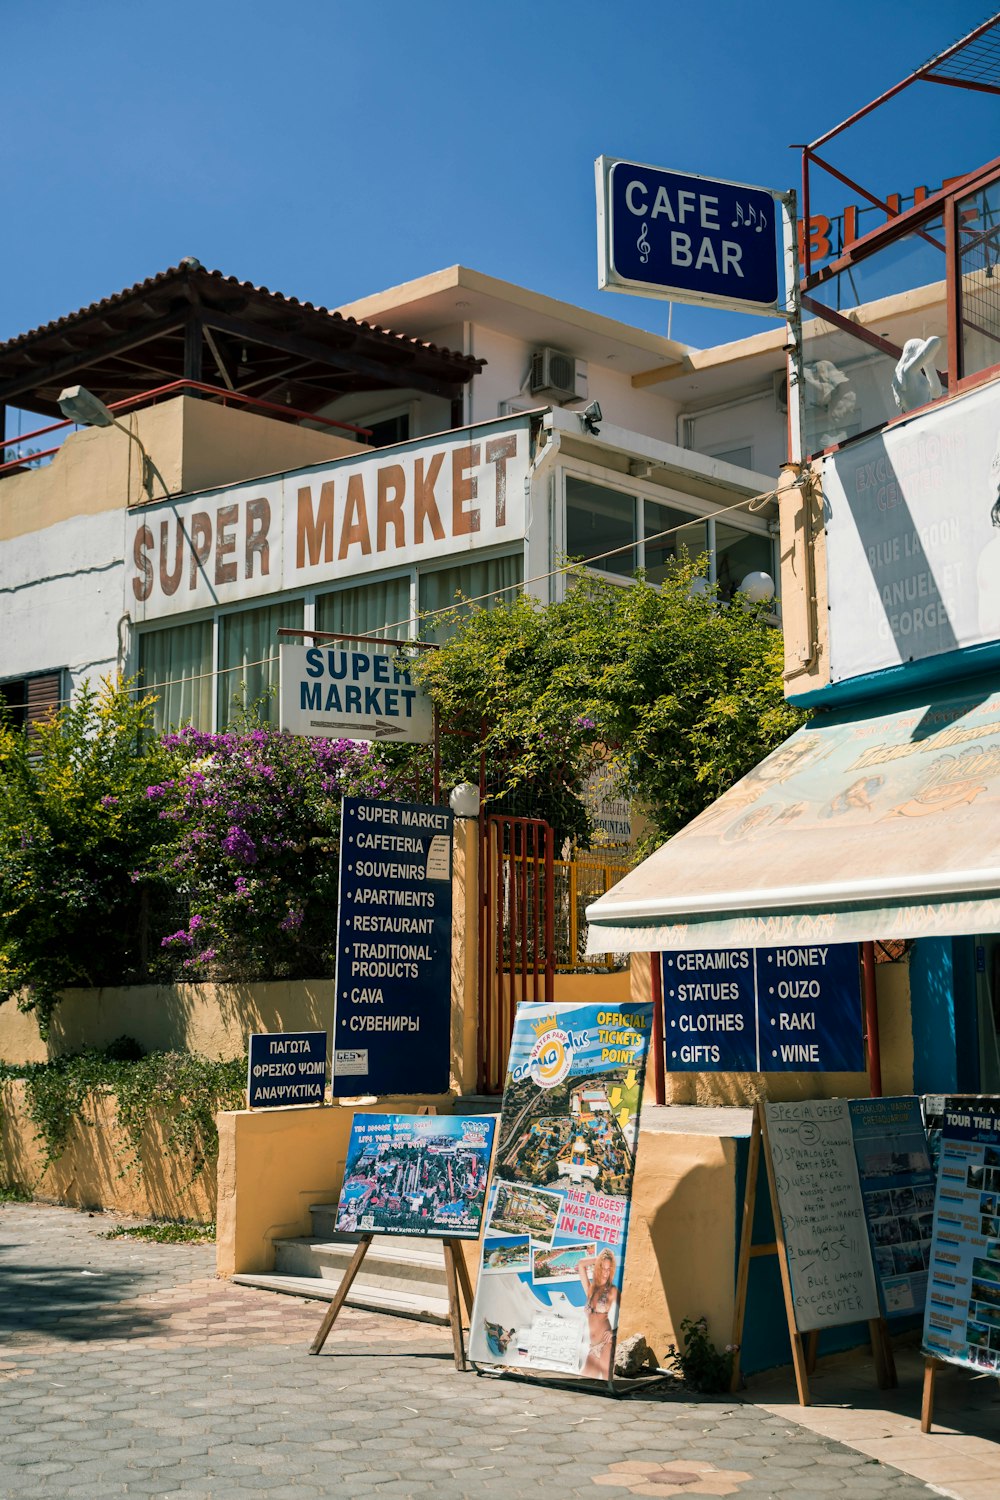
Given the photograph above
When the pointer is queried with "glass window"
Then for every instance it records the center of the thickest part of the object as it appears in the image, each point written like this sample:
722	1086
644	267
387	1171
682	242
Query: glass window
979	262
738	553
688	538
176	665
600	520
376	609
741	457
248	658
438	590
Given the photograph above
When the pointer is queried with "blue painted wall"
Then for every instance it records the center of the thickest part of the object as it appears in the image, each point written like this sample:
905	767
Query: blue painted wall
943	1016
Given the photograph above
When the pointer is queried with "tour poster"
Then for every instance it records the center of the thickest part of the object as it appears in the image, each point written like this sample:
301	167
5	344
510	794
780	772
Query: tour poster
416	1174
550	1281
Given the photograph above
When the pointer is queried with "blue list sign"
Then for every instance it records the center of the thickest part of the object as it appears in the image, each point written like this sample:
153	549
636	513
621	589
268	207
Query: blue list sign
393	990
287	1067
710	1011
687	238
769	1010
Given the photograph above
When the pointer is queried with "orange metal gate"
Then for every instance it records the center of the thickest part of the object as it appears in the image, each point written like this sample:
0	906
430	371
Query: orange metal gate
516	948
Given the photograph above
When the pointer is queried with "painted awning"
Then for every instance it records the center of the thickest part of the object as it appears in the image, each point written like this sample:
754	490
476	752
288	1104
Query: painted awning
864	824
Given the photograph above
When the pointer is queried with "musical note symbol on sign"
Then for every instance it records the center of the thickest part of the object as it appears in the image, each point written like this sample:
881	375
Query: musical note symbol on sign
642	245
754	218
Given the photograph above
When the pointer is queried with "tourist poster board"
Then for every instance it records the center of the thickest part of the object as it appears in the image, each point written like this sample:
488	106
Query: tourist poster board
822	1214
416	1174
962	1315
287	1067
897	1187
765	1010
392	1006
550	1279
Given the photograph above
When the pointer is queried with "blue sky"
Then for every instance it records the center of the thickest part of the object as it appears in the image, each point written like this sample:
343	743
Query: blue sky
329	150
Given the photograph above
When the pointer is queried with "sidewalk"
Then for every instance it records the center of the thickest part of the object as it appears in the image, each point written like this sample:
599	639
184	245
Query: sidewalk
961	1453
128	1369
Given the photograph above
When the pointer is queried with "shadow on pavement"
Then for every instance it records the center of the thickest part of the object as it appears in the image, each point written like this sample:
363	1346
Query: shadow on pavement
72	1303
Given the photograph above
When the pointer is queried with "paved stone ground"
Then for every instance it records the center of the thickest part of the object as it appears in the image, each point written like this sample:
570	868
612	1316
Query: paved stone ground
128	1369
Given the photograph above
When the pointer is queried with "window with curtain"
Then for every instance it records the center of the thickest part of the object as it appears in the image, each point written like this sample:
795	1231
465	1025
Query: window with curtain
438	590
738	553
176	665
599	520
248	658
688	537
376	609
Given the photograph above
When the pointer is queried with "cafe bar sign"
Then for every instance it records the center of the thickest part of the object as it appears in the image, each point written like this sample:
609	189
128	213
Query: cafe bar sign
763	1010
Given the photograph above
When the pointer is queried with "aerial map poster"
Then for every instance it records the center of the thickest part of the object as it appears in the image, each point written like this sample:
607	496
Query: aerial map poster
416	1174
550	1281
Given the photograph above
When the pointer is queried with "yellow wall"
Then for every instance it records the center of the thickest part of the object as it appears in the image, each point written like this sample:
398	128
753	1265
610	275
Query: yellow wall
274	1164
194	444
892	991
88	1174
213	1020
804	615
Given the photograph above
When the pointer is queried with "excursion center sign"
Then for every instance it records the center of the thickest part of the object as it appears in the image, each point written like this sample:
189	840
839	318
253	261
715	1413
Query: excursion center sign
764	1010
687	238
393	986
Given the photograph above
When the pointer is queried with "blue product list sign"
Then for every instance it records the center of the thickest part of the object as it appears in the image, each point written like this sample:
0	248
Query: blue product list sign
769	1010
393	987
709	1011
287	1067
690	237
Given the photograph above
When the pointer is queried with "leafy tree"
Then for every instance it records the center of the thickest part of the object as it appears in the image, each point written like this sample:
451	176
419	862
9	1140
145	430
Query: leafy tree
75	820
682	694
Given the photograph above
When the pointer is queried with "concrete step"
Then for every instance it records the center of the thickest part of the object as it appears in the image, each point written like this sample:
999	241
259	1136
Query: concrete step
371	1299
386	1264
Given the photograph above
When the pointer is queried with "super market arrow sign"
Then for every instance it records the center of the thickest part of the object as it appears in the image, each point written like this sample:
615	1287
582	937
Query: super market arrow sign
329	691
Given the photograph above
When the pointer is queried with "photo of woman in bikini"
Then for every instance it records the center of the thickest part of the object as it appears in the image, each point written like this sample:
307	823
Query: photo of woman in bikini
597	1273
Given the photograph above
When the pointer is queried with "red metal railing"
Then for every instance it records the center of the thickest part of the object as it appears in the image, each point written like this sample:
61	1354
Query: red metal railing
516	956
174	388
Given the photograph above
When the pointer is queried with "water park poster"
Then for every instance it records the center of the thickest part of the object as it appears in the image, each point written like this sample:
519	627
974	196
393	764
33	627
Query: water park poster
416	1174
550	1281
962	1315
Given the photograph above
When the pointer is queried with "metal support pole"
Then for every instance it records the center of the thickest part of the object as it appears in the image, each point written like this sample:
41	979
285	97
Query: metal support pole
871	1019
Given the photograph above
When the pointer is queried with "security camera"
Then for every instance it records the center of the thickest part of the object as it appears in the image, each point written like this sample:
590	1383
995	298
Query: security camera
590	416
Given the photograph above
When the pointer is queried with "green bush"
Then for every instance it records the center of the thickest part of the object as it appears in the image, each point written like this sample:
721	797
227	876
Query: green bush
184	1090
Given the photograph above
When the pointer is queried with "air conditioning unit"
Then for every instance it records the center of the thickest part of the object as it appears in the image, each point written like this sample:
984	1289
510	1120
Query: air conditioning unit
558	376
781	390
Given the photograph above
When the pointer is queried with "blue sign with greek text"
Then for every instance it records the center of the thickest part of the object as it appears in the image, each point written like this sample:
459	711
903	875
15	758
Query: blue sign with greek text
287	1067
687	238
392	1019
765	1010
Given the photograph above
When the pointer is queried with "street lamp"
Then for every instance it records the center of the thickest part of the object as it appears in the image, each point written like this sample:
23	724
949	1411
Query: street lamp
464	800
82	406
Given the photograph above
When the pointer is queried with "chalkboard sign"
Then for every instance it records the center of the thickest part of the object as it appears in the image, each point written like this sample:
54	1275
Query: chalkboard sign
822	1214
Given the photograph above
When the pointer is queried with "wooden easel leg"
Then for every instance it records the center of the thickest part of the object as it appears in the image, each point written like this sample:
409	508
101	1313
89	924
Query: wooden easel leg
746	1240
454	1305
801	1367
812	1350
464	1281
885	1364
931	1367
341	1294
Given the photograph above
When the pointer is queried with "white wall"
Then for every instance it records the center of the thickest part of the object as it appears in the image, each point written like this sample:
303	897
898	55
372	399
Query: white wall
62	598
